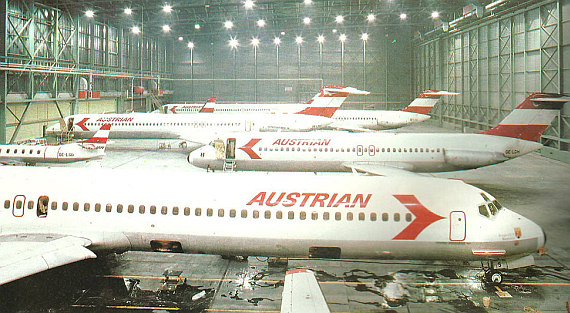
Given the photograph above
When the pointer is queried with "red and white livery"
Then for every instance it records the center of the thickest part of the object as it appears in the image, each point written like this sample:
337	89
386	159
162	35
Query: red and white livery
252	214
91	148
384	152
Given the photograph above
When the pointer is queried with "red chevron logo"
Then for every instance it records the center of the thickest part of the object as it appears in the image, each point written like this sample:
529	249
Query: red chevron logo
424	217
248	149
82	124
173	109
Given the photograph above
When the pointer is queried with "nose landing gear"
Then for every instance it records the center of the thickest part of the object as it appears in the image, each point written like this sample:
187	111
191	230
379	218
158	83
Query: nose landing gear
493	277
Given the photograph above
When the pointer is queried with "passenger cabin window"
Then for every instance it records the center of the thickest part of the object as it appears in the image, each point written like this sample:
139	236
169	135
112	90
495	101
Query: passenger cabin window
6	204
396	217
175	210
244	213
141	209
86	207
54	205
30	205
97	207
267	214
279	215
337	216
108	208
326	216
64	206
209	212
42	208
232	213
75	206
221	212
314	216
255	214
198	212
303	215
349	216
408	217
384	217
131	208
119	208
164	210
290	215
153	209
186	211
373	217
361	216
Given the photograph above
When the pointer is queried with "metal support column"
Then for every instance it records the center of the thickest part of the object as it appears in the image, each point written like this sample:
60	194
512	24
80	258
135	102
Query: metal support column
3	74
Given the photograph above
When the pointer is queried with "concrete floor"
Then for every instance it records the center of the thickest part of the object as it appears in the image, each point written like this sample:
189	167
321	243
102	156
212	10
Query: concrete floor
532	185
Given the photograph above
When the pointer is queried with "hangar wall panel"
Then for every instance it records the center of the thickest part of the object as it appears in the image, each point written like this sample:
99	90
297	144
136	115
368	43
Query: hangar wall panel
48	51
290	73
496	63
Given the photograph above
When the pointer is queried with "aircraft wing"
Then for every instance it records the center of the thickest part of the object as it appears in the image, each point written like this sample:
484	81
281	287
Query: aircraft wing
302	294
25	255
382	169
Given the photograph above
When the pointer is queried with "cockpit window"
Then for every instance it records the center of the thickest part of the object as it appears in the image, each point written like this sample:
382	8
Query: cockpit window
497	205
483	210
493	209
485	197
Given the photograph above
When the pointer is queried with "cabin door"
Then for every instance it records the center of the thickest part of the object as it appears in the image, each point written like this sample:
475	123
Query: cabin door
18	205
231	148
457	226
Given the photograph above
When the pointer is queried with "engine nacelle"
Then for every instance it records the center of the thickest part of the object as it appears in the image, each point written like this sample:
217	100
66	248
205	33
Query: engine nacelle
472	158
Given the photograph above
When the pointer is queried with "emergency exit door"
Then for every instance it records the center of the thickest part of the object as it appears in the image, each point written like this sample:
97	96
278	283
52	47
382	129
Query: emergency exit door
457	226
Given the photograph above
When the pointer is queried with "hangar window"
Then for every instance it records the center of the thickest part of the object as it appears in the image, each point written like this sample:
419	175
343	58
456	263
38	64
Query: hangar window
153	209
255	214
75	206
267	214
337	216
314	216
326	216
396	217
221	212
108	207
6	204
303	215
243	213
209	212
232	213
175	210
141	209
30	205
164	210
373	217
385	217
349	216
483	210
86	207
119	208
361	216
54	205
291	215
131	208
408	217
279	215
186	211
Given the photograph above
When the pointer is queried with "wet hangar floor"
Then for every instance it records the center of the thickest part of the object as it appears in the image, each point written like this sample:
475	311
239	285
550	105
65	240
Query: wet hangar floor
537	187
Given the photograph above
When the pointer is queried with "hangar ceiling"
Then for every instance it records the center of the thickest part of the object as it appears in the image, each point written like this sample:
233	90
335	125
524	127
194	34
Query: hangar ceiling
279	15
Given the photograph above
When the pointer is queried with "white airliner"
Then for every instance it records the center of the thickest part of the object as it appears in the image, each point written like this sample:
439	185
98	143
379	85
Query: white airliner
193	130
380	153
66	153
44	225
353	120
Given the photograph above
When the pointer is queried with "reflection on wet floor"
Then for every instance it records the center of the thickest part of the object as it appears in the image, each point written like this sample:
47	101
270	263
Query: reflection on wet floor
213	284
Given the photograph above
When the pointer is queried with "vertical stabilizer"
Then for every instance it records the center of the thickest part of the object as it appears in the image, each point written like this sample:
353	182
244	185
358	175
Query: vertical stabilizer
426	101
531	117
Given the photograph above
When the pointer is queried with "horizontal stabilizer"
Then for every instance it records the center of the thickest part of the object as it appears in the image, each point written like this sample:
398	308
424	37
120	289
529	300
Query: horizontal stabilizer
302	294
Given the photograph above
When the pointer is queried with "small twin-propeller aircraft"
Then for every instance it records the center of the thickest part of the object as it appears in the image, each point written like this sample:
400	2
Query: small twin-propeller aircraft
196	129
65	153
45	225
352	120
382	152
